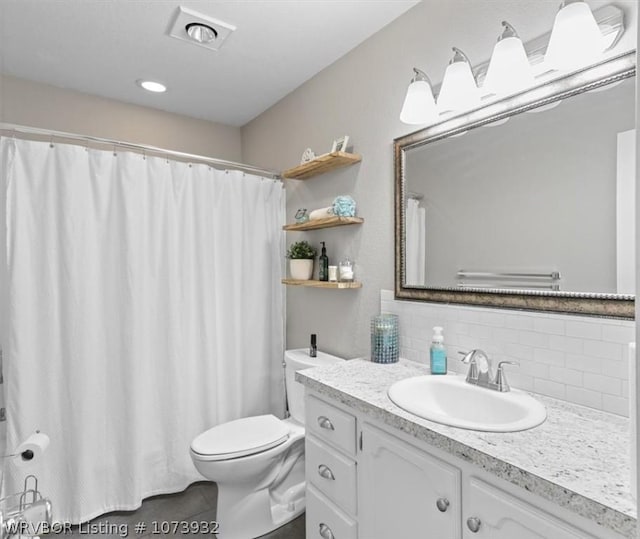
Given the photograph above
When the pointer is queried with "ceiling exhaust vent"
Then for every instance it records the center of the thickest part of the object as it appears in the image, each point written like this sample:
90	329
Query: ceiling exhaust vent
199	29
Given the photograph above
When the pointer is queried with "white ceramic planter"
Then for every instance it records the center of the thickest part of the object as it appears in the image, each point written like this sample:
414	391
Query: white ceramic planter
301	269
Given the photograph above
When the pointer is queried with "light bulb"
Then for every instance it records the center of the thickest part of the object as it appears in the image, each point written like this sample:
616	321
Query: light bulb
419	106
576	40
509	70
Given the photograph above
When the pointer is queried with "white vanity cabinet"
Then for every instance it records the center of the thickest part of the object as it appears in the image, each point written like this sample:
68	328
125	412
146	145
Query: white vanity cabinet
494	514
405	492
366	480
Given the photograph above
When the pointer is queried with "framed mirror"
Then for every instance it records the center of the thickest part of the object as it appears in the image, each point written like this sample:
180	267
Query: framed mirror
527	202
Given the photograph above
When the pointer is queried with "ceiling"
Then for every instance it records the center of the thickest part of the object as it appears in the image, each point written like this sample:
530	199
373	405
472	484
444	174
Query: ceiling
102	47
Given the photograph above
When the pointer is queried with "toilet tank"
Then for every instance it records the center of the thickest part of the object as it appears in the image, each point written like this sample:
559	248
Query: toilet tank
297	360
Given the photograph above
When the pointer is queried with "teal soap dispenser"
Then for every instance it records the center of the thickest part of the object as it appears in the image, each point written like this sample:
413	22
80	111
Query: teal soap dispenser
437	352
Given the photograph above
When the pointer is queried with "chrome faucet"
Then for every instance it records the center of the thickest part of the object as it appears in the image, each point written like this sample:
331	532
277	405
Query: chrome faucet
480	371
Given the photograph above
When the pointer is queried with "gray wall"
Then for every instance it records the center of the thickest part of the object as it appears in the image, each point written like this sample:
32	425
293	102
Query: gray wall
48	107
361	95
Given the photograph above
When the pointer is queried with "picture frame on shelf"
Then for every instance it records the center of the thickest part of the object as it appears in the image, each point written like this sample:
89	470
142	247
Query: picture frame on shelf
340	144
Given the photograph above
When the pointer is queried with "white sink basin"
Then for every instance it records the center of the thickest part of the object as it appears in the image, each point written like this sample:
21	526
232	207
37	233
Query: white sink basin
450	400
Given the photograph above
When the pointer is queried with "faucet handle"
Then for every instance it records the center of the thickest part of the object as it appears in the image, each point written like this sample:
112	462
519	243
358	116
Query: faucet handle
467	355
501	380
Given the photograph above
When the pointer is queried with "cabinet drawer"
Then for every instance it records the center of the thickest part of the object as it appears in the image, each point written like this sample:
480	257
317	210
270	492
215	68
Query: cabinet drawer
331	424
333	474
325	521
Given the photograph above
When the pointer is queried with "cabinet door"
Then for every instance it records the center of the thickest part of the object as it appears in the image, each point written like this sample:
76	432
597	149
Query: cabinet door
404	492
502	516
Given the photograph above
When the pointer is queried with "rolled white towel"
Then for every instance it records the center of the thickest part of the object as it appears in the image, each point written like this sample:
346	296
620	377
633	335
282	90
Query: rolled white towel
321	213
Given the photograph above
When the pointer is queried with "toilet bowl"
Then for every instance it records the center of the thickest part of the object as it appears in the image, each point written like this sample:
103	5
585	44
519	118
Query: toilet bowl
258	462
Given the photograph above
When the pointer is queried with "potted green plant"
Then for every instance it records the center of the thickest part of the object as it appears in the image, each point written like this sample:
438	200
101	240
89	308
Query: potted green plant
301	255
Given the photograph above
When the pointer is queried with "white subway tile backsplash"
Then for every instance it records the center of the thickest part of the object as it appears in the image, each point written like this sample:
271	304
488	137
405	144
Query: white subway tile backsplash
620	334
584	330
603	384
479	332
549	388
492	319
468	315
583	363
586	397
552	326
615	369
509	336
519	352
537	370
576	358
615	405
534	339
518	321
566	376
608	350
550	357
571	345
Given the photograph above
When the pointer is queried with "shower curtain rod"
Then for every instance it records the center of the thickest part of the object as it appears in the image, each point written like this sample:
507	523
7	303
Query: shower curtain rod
26	130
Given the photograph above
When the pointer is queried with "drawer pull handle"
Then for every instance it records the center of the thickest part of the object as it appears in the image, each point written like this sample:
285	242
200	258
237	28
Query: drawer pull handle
325	531
325	423
474	523
442	504
326	472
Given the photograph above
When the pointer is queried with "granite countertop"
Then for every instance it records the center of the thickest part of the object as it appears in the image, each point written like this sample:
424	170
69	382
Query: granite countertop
578	458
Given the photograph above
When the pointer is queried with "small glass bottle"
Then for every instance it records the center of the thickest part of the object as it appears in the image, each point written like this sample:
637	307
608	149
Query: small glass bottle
323	264
346	270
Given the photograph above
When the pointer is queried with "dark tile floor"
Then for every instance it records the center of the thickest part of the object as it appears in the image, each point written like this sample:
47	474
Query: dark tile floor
196	504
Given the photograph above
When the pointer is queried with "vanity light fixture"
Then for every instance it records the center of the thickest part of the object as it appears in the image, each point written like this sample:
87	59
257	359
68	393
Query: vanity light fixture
419	105
509	70
151	86
576	40
459	90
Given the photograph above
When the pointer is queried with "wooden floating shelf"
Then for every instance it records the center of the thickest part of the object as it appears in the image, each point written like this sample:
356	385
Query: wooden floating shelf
321	164
326	222
322	284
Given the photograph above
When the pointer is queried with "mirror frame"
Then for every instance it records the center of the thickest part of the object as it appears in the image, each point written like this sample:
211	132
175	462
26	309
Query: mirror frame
583	303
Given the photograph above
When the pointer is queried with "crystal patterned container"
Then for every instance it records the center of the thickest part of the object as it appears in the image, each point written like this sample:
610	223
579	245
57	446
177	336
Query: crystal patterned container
385	346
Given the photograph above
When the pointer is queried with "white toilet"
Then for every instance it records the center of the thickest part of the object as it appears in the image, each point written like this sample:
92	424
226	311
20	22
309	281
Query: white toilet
258	462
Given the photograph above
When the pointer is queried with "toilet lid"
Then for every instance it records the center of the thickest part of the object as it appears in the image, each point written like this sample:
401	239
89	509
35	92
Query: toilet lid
241	437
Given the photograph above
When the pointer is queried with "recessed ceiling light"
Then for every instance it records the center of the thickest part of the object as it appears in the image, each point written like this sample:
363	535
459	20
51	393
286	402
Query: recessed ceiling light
201	33
199	29
152	86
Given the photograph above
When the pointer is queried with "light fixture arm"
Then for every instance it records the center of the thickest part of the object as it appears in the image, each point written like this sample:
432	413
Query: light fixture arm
459	56
567	2
419	75
509	31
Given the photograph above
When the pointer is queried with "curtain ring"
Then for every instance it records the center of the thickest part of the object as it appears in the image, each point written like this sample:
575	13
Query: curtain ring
114	151
51	141
144	155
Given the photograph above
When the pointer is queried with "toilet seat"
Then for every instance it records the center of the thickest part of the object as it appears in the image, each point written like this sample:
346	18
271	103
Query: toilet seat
240	438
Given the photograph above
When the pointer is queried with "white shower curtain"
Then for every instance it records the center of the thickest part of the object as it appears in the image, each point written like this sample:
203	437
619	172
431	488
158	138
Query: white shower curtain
144	306
415	244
